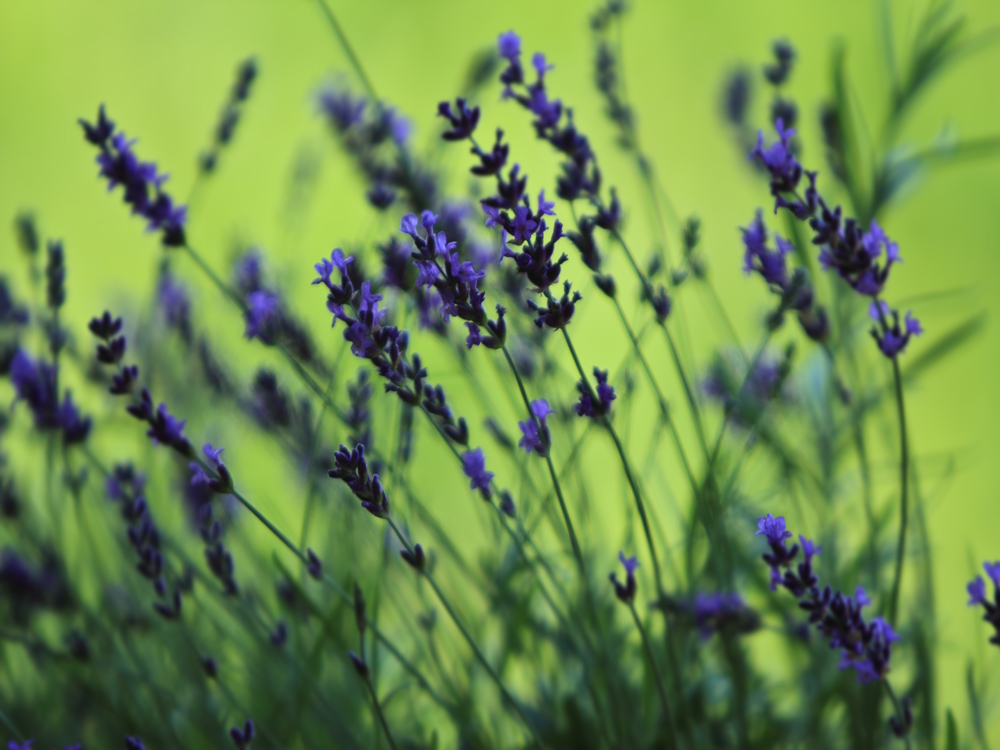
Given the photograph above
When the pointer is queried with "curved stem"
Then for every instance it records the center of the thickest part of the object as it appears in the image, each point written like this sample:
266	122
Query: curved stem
465	634
577	552
656	674
904	460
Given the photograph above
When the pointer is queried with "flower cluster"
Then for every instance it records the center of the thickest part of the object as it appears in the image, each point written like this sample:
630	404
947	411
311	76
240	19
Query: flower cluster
714	612
455	283
377	137
865	647
36	384
745	395
352	469
126	486
535	431
795	293
597	403
265	314
231	112
510	210
474	466
626	591
855	254
977	597
164	428
142	184
385	346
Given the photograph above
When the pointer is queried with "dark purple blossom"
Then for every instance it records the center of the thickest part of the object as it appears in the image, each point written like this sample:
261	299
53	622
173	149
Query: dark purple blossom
535	432
35	384
221	482
261	313
770	264
474	466
979	597
865	647
597	403
243	737
352	469
141	182
892	335
626	591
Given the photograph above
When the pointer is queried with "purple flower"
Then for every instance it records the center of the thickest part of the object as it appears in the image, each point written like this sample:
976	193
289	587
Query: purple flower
540	65
779	160
864	647
474	466
173	299
26	745
891	336
626	591
524	224
993	571
773	528
341	108
351	467
977	596
716	611
595	404
545	207
142	184
35	384
262	309
759	257
509	45
535	430
243	737
74	426
977	591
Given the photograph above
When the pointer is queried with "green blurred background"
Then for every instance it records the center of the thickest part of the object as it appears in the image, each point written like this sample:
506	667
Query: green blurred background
163	69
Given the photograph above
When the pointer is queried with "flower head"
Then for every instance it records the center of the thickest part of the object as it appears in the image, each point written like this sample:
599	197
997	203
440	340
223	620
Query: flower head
474	466
773	528
626	591
262	309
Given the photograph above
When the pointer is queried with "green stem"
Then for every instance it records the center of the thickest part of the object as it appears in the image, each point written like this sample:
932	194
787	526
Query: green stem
672	730
904	461
628	469
468	636
577	552
348	50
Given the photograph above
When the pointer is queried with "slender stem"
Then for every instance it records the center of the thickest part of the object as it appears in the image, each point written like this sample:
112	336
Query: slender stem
577	552
904	461
380	714
465	634
628	471
656	674
348	50
662	402
739	397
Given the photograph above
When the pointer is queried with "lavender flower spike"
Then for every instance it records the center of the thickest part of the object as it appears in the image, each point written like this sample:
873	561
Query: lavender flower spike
626	591
142	184
865	647
474	466
978	597
535	431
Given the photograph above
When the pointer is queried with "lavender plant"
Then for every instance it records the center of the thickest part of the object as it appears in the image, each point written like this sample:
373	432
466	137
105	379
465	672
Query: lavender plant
154	596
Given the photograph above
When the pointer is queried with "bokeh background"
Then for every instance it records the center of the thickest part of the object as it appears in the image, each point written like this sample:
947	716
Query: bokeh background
163	69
